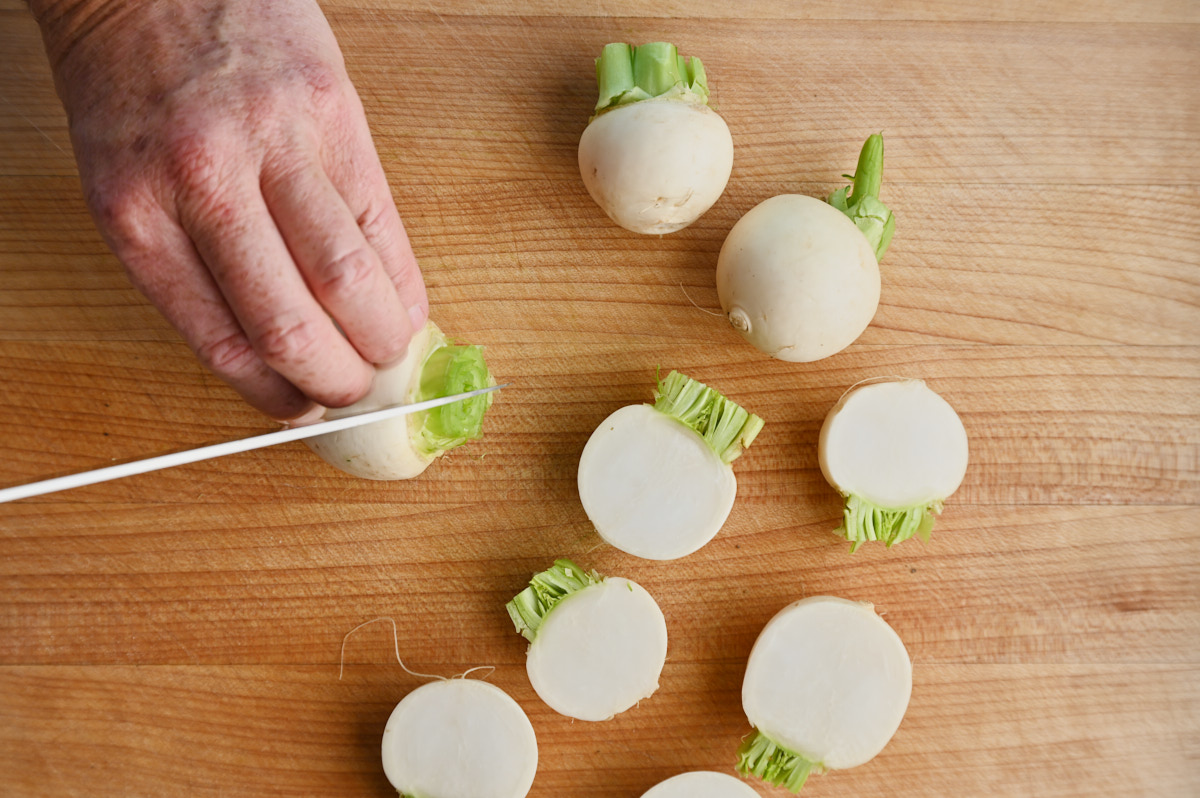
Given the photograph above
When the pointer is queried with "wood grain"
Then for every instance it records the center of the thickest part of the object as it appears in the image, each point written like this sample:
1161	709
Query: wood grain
181	632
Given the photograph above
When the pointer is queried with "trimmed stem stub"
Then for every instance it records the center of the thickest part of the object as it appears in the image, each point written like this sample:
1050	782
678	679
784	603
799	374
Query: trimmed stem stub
626	74
768	760
860	200
450	369
727	429
863	521
529	608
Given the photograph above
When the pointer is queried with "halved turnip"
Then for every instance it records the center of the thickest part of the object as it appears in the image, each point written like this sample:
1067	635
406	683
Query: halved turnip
701	784
404	447
896	451
459	738
656	480
798	277
826	686
654	157
597	645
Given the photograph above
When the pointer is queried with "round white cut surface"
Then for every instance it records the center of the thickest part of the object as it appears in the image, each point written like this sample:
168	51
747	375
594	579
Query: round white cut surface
599	651
828	679
701	784
651	486
797	279
460	738
895	444
656	166
382	450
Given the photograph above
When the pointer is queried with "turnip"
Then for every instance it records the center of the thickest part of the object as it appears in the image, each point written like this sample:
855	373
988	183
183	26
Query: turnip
597	645
701	784
798	277
826	686
656	480
404	447
654	157
459	738
896	451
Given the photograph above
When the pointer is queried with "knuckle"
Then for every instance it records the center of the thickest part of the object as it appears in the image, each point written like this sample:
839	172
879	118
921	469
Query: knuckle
285	341
324	84
195	161
230	357
123	212
348	275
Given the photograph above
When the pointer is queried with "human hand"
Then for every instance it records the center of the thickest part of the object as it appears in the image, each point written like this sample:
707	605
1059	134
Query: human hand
227	162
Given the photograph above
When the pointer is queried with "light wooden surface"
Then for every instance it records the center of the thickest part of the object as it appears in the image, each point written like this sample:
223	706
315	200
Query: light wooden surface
179	633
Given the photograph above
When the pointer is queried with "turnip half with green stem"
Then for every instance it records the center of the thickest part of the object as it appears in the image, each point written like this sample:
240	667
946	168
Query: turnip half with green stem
826	686
656	480
403	448
654	157
596	645
459	738
895	450
798	277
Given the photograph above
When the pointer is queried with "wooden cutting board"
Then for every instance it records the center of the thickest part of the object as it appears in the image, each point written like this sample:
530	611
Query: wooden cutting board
180	633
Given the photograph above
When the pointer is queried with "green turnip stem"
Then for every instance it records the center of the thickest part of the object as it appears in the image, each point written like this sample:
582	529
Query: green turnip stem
448	370
763	757
862	521
627	74
726	428
860	200
529	607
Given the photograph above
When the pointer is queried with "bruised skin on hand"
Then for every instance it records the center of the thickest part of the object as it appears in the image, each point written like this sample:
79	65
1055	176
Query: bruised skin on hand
226	159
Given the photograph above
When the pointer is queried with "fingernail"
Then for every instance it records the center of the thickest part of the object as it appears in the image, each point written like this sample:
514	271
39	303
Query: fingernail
310	416
418	317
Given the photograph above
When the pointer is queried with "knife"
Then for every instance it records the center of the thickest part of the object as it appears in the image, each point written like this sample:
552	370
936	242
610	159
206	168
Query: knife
228	447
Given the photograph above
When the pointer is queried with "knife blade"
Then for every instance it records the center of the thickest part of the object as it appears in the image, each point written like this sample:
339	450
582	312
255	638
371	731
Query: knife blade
236	446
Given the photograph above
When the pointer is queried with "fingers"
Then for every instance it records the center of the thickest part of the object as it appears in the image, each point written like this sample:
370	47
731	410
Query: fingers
355	170
238	240
340	266
169	272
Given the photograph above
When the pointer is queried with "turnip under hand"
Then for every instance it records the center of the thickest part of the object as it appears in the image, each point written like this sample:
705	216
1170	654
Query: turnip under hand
798	277
896	451
655	480
655	157
403	448
597	645
826	686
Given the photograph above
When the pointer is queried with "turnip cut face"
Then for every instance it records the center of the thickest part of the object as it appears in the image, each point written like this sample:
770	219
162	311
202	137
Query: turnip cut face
651	487
597	646
826	686
797	279
459	738
701	784
655	156
656	166
896	451
655	480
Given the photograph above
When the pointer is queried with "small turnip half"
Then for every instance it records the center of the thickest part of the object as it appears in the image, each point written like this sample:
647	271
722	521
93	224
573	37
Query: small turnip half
459	738
701	784
654	157
826	686
596	645
656	480
798	277
895	451
404	447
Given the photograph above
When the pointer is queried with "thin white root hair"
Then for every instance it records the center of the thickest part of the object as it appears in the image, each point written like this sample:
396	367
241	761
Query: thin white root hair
395	641
880	378
489	668
697	307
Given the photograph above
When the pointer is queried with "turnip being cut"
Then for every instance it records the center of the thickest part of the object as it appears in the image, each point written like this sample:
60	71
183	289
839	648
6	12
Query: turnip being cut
596	645
404	447
895	451
656	480
798	277
459	738
654	157
826	686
